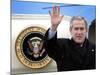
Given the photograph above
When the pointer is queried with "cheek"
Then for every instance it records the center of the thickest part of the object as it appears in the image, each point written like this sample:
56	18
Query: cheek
73	33
84	33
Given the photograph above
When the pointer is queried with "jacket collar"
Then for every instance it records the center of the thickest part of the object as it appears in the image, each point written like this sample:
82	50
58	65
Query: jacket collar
79	44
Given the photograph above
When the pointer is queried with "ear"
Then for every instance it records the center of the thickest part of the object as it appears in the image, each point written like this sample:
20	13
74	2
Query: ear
70	29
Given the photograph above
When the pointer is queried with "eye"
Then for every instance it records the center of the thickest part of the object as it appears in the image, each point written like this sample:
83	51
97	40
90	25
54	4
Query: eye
82	28
76	28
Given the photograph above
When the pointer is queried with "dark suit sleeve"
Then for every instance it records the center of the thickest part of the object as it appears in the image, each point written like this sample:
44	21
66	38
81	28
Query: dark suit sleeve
52	46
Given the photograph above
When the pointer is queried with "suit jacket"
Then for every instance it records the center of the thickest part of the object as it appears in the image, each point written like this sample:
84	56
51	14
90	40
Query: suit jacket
69	55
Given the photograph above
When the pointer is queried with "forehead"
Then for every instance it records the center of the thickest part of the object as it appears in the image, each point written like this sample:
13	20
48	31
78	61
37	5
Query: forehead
79	23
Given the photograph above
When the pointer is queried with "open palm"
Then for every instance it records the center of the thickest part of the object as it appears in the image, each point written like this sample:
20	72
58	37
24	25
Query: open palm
55	16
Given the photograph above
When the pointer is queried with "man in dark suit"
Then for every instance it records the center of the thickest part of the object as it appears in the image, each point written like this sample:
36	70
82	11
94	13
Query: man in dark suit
76	53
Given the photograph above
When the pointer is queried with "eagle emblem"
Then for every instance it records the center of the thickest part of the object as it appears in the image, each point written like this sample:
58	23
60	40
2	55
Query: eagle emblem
29	48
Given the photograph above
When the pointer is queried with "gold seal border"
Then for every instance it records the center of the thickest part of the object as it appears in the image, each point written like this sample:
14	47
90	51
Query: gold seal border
19	53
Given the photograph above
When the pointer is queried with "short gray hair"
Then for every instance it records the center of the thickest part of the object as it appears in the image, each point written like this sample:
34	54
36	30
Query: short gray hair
78	18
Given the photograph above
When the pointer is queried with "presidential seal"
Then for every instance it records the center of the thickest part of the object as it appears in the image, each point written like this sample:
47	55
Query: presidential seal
29	48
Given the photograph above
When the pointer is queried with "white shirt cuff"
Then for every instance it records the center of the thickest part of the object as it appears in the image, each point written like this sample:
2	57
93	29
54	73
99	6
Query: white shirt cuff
51	34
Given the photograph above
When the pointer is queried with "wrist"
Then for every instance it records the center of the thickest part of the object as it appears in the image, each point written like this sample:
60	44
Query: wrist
54	28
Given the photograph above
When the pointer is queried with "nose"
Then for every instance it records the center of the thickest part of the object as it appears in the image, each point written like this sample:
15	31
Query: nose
79	31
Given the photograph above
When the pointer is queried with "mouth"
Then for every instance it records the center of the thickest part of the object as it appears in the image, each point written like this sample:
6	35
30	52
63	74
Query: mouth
79	37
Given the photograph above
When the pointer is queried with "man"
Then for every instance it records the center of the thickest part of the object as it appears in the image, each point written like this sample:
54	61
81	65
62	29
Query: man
70	54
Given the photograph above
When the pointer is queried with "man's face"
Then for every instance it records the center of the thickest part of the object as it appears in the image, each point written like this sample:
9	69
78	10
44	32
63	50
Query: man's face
78	31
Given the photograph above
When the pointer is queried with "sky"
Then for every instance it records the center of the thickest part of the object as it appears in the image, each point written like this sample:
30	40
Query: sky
31	7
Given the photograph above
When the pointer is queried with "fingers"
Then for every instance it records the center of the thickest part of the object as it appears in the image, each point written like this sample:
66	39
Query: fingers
56	10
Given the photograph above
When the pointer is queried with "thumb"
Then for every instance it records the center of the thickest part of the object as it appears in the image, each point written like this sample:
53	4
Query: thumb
61	18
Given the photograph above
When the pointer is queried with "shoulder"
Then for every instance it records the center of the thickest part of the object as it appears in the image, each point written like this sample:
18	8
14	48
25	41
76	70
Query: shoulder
63	40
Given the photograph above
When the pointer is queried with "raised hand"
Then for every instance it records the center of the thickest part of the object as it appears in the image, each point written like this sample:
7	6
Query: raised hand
55	17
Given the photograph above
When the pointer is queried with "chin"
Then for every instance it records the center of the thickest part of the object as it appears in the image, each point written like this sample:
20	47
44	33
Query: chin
79	41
